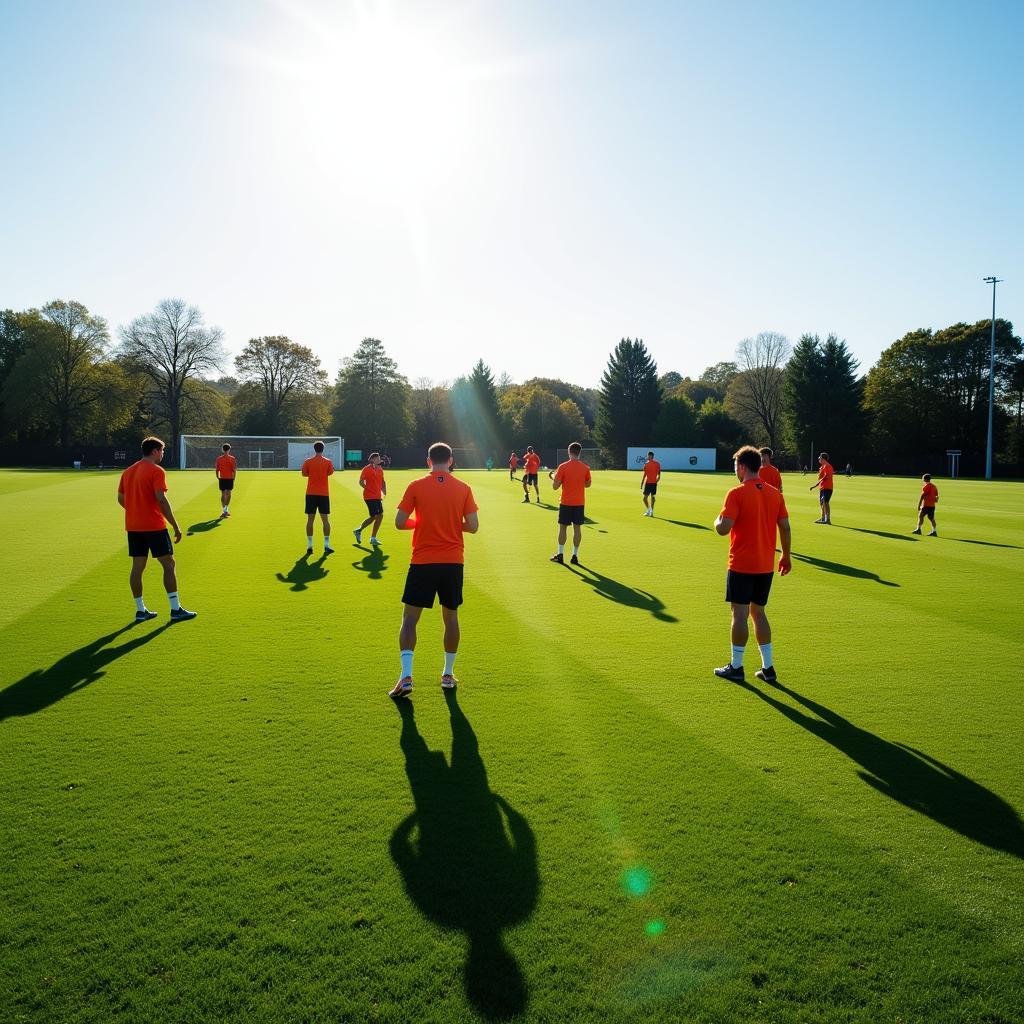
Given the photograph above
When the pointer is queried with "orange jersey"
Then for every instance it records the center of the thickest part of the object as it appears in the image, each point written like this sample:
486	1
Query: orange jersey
317	469
929	495
575	476
514	461
372	480
531	462
755	511
652	470
226	467
439	501
139	485
771	475
825	477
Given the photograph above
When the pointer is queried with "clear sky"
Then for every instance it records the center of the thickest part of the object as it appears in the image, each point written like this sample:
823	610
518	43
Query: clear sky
522	181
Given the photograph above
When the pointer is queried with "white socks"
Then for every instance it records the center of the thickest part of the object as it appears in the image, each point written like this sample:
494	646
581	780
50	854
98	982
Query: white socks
309	543
327	540
766	654
225	508
575	550
406	657
737	656
173	598
140	605
449	663
561	549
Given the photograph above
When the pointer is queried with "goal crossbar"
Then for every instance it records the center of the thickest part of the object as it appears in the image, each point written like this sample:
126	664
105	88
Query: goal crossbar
258	451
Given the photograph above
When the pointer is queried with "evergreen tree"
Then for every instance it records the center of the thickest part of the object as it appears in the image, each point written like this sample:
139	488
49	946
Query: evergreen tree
372	398
630	399
676	426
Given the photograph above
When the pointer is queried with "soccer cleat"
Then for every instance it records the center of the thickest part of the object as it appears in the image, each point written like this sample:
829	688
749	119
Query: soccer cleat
934	533
328	551
358	534
449	682
376	543
181	614
145	616
402	688
734	675
558	558
819	521
574	560
538	499
227	515
917	531
526	499
767	675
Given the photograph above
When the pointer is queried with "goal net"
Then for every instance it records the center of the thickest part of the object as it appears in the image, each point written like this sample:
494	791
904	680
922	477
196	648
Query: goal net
200	451
591	456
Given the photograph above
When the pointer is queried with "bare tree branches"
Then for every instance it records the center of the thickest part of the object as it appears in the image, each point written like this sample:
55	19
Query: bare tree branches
755	393
281	368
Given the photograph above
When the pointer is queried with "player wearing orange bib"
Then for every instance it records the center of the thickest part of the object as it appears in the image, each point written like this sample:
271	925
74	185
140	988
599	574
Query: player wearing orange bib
750	516
513	465
317	471
826	476
769	473
439	509
374	489
531	463
926	504
142	493
649	484
226	469
572	478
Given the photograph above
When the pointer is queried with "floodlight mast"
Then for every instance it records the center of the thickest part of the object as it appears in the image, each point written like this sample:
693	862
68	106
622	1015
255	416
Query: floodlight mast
991	379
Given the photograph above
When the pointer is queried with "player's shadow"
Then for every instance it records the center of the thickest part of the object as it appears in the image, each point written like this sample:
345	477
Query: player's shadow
910	776
204	527
844	570
679	522
71	673
467	859
304	572
373	563
983	543
621	593
881	533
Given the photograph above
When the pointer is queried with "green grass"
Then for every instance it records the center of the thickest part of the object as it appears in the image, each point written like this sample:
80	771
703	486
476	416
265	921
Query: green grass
214	821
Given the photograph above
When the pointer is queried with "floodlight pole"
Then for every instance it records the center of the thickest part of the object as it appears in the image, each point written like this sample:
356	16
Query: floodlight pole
991	380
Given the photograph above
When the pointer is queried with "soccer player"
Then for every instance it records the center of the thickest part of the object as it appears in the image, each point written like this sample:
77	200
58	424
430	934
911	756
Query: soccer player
141	492
824	484
649	484
513	465
572	478
531	463
374	489
751	514
926	504
317	470
770	474
439	509
226	469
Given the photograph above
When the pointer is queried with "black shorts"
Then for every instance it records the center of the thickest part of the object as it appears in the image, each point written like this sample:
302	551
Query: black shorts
142	543
374	507
650	489
929	511
225	484
443	579
529	478
570	515
318	503
748	587
824	496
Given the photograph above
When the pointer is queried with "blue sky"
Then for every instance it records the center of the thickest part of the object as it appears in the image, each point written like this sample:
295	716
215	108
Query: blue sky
526	182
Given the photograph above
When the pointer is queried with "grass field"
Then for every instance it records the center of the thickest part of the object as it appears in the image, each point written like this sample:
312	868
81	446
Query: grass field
227	820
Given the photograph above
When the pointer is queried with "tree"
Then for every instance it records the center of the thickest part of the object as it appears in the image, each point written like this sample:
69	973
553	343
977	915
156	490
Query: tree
431	413
14	340
282	371
822	396
171	346
717	428
630	399
719	376
372	398
670	381
587	399
754	395
534	415
676	426
474	408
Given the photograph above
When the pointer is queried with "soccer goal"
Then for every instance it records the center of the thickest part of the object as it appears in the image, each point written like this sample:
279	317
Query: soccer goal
200	451
591	456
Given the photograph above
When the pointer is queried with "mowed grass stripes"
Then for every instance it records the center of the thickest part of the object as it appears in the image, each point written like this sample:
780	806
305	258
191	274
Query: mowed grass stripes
227	820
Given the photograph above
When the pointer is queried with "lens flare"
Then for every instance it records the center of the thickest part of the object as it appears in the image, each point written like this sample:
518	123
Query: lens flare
654	928
636	881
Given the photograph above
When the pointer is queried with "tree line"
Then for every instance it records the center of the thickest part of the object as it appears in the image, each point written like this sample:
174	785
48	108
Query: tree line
66	380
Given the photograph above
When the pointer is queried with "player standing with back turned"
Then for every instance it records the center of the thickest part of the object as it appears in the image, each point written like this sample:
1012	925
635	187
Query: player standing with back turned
317	470
226	468
531	463
572	478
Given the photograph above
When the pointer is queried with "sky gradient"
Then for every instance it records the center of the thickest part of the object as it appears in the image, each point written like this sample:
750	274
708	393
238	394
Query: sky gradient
527	182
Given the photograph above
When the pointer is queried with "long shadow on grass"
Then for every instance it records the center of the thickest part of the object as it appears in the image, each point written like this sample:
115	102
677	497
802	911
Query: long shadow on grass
304	572
204	527
844	570
913	778
73	672
881	533
372	563
621	593
984	543
468	860
679	522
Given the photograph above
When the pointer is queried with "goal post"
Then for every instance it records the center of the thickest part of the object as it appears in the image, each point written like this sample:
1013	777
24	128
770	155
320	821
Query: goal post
591	456
200	451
